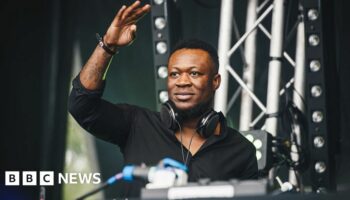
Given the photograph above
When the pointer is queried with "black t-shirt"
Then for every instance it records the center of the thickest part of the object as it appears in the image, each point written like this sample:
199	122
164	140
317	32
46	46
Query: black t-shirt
143	138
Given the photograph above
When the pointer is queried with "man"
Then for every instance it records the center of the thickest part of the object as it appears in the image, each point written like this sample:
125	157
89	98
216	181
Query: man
187	129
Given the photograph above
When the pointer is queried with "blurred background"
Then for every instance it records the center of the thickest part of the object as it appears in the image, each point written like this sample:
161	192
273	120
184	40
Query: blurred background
44	44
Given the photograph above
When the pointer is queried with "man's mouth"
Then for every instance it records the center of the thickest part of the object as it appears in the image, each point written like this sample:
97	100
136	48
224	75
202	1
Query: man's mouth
183	96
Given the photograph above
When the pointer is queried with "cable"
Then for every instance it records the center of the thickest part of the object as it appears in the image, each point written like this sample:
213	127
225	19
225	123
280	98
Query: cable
181	144
109	182
292	120
189	147
300	183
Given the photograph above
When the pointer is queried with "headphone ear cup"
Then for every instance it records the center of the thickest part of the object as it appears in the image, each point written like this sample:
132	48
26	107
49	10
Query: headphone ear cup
207	124
168	116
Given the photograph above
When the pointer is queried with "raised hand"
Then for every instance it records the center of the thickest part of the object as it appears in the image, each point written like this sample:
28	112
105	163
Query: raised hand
122	30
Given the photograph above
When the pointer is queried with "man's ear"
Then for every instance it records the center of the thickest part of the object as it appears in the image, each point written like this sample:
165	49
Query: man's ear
216	81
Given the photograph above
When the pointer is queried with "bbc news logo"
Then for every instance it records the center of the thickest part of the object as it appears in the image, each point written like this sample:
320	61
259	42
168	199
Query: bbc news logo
47	178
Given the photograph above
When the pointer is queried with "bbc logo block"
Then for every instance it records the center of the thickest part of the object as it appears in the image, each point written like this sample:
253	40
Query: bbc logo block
29	178
46	178
11	178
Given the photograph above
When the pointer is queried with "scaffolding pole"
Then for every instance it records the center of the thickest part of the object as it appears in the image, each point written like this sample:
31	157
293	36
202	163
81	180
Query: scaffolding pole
246	112
298	95
299	74
225	32
274	74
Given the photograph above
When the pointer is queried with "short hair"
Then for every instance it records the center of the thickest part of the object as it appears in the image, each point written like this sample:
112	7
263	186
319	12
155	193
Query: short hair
199	44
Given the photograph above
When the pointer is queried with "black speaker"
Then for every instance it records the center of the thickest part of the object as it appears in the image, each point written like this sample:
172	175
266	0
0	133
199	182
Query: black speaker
206	124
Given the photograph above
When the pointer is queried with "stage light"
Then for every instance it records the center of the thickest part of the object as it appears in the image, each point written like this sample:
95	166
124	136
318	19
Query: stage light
316	91
258	155
314	40
250	138
160	23
321	190
318	59
318	142
161	47
315	65
312	14
262	142
164	14
158	2
162	71
257	143
163	96
317	116
320	167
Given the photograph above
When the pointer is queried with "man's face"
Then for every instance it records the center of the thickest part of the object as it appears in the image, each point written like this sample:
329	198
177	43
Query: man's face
192	79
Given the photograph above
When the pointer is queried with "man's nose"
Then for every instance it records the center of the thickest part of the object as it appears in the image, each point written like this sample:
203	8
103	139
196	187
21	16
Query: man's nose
183	80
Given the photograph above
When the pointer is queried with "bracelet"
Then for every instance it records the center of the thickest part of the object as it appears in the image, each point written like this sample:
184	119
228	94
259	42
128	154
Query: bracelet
104	46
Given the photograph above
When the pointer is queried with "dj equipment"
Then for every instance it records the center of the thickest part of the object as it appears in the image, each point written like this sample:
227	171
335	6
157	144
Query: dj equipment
205	127
227	189
166	174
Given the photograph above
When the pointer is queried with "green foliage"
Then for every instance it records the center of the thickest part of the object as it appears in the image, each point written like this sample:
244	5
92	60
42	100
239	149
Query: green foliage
79	158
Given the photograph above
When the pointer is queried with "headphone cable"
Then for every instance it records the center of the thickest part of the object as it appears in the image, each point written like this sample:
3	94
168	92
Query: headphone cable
182	149
181	145
189	147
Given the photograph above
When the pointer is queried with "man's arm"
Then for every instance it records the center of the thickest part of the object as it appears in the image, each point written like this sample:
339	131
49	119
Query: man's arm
120	33
99	117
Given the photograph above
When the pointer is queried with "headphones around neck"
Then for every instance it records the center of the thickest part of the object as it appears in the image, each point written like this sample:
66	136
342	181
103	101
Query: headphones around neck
206	124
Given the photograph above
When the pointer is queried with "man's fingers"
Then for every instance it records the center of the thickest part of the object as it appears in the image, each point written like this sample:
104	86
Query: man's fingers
116	19
141	12
130	9
133	29
138	14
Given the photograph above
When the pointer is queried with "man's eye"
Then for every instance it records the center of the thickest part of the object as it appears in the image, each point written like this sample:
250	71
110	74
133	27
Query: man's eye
174	74
194	73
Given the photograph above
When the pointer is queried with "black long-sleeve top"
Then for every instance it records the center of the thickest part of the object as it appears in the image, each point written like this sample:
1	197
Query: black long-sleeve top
143	138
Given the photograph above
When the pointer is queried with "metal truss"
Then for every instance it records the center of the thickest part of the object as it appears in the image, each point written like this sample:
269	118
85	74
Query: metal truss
307	82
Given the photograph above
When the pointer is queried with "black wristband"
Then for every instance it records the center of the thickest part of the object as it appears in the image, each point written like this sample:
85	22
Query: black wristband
104	46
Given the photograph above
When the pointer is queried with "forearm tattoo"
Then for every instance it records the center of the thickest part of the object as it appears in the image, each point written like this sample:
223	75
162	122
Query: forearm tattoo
92	73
